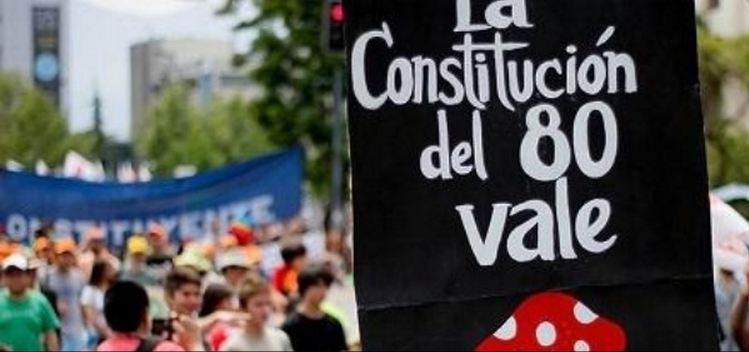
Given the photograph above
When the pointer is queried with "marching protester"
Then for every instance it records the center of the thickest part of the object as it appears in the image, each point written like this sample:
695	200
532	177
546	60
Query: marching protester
135	267
234	265
294	256
255	299
43	251
95	249
199	305
34	274
92	299
161	255
216	298
27	321
309	327
67	281
182	290
126	312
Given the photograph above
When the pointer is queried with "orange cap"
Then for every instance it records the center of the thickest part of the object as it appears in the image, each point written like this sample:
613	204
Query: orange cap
254	254
208	249
228	241
5	250
65	245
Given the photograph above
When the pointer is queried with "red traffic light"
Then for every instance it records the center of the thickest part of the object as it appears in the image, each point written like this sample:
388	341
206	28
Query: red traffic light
337	15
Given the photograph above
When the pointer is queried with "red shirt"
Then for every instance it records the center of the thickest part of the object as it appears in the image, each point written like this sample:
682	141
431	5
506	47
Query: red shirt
129	343
217	336
284	279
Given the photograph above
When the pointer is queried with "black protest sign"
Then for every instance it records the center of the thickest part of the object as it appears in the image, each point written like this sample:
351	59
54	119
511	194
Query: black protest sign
528	174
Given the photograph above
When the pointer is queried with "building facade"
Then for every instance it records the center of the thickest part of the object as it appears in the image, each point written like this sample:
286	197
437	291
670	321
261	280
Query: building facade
34	45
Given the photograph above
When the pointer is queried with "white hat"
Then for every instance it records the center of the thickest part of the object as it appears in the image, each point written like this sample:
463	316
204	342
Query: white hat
17	261
233	258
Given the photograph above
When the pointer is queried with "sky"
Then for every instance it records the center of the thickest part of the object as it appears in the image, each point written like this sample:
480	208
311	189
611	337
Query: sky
101	33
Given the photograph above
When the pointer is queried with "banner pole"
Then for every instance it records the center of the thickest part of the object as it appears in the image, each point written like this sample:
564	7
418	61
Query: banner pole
337	219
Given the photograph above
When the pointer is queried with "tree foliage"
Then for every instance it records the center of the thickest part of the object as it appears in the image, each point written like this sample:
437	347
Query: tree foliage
31	126
725	61
287	61
177	132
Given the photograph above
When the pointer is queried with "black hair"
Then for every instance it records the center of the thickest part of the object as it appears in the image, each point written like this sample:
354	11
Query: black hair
291	251
311	275
213	296
180	277
97	272
125	306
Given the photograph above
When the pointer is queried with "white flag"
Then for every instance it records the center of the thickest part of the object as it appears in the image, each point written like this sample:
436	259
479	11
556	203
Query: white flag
144	173
12	165
125	173
41	168
76	166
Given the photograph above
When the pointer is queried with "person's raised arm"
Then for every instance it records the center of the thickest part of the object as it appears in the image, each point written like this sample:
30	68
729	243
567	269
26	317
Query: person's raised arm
188	334
231	318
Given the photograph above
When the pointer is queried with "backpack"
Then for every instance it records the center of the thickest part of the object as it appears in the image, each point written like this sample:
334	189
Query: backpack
148	344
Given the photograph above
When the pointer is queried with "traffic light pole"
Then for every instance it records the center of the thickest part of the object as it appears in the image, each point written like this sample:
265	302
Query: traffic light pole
336	201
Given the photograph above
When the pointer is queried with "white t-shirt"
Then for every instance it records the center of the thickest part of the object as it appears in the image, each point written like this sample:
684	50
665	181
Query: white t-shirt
272	339
93	296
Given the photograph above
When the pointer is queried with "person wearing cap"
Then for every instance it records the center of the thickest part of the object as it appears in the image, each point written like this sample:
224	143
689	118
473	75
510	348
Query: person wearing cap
95	250
27	321
234	266
136	268
5	250
160	259
194	259
67	281
159	240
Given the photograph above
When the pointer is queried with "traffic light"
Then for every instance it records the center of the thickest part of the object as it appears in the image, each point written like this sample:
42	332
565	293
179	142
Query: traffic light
335	17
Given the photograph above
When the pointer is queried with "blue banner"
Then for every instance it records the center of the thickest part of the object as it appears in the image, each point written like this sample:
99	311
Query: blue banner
266	189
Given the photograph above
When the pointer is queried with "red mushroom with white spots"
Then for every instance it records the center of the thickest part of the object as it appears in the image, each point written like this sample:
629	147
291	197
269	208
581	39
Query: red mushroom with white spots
555	322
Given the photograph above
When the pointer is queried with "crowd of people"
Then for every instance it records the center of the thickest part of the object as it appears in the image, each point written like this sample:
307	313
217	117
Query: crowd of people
213	295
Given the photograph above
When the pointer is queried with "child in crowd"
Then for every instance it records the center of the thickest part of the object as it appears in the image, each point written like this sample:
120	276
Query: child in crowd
255	299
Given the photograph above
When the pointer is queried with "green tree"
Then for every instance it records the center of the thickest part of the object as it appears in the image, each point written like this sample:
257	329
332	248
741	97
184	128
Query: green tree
31	127
176	132
295	75
87	144
235	130
724	60
165	132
